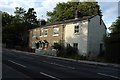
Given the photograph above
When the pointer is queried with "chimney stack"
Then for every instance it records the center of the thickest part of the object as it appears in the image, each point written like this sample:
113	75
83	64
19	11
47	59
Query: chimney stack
78	14
42	22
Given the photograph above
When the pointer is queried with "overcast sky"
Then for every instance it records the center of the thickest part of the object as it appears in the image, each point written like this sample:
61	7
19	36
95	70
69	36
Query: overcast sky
109	7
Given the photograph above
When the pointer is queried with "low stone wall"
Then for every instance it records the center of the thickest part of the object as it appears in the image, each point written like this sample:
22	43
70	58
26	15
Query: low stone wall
46	52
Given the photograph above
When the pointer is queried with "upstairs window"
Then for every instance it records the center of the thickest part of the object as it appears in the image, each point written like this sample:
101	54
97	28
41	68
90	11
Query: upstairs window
45	32
41	32
37	33
76	29
55	31
34	33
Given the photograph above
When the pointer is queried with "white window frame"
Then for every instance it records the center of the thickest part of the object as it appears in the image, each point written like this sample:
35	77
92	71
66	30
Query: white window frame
41	32
45	31
77	29
34	33
37	32
57	32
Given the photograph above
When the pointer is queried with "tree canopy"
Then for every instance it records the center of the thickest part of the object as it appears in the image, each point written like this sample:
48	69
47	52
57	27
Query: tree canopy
15	28
6	19
31	18
64	11
112	43
89	8
115	27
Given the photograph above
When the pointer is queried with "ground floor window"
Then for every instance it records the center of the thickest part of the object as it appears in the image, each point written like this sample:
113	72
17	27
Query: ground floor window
68	45
33	45
75	45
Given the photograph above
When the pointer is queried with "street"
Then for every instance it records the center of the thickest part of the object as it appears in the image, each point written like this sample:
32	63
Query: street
16	74
30	66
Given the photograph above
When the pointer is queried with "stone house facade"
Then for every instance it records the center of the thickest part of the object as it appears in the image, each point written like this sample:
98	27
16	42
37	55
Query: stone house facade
86	34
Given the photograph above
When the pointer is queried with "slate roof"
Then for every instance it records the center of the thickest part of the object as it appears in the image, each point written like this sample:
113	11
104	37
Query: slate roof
66	21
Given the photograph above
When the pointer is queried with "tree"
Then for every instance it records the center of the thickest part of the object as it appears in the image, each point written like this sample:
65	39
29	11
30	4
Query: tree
31	18
112	42
16	27
12	30
115	27
6	19
20	13
64	11
89	8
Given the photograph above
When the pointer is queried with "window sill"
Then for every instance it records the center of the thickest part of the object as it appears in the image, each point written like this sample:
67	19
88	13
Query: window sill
45	35
76	33
33	47
34	37
56	35
41	36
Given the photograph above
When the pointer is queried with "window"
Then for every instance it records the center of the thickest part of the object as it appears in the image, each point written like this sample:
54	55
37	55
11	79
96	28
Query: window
76	29
45	32
34	33
41	32
68	45
33	45
37	32
55	31
75	45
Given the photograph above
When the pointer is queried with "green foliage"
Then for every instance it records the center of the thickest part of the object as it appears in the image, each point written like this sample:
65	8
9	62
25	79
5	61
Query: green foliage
64	11
112	43
19	13
15	28
6	19
71	51
31	18
115	27
89	8
68	51
57	46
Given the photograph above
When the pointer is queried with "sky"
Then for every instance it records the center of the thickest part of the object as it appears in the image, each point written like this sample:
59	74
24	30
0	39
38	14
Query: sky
109	8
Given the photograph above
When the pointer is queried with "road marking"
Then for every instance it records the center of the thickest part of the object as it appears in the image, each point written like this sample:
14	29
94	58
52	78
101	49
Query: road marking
59	65
108	75
49	76
17	63
63	66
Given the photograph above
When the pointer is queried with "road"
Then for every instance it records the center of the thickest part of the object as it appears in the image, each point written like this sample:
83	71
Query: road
9	72
34	67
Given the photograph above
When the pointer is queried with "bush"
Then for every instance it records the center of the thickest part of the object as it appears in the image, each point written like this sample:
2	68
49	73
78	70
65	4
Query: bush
57	46
71	51
28	49
68	52
60	49
112	45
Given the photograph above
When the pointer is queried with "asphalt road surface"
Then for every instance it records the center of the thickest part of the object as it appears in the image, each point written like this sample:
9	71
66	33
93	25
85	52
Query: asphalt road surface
19	65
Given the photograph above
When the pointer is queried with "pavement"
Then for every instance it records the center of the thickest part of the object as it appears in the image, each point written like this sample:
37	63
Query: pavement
81	61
